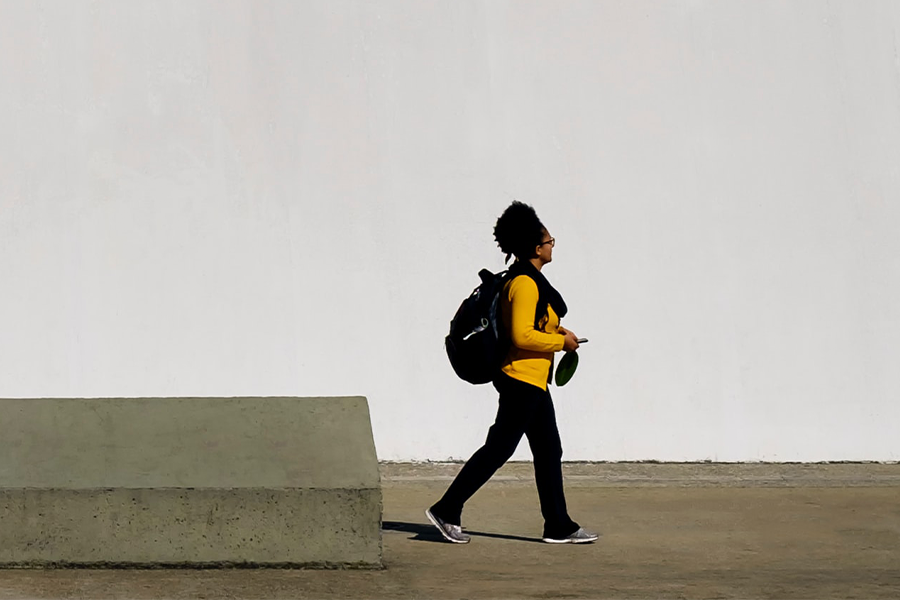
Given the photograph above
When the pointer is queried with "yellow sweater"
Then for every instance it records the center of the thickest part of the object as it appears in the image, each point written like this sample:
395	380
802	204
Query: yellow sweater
531	353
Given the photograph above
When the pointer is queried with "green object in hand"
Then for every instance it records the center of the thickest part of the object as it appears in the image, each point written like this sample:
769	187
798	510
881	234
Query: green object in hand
566	368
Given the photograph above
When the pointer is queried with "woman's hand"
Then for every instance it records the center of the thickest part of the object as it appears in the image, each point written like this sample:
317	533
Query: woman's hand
571	342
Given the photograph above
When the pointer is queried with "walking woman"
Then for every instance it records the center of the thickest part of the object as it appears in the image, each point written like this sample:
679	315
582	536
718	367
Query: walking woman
531	309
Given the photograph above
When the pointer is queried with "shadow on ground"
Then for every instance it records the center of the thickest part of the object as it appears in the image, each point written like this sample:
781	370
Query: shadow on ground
427	533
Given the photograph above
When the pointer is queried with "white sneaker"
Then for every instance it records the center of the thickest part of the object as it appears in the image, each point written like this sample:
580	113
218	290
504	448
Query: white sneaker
582	536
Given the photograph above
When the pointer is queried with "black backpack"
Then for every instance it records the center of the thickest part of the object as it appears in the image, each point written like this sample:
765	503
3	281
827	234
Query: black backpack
478	342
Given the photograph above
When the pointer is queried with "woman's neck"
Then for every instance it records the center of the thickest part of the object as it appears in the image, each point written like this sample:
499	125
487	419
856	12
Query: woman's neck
538	263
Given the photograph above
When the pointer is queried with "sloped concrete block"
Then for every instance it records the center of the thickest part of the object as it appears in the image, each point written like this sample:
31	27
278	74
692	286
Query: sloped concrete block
189	482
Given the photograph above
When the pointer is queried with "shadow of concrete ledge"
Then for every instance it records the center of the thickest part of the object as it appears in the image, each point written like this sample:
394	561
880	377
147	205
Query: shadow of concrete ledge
189	482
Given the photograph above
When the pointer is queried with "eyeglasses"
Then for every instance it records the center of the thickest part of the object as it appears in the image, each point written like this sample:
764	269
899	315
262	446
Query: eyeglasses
551	241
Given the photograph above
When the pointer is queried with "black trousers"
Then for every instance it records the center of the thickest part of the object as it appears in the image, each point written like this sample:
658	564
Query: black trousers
524	409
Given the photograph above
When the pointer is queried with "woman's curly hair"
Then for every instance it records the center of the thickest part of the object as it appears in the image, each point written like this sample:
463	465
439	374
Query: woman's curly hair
518	231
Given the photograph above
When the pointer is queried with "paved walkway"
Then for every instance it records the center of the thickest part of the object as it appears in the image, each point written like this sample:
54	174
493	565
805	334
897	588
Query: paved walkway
669	531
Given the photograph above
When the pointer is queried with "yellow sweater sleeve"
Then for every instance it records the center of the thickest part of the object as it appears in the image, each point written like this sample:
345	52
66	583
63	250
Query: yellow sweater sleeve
523	299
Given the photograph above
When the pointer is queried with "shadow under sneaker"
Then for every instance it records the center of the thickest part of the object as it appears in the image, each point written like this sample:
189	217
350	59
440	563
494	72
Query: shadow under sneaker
451	533
582	536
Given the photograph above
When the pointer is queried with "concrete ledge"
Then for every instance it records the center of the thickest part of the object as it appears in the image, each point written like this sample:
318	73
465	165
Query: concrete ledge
182	526
189	482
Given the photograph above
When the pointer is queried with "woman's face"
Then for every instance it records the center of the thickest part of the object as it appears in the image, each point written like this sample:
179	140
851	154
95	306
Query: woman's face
545	248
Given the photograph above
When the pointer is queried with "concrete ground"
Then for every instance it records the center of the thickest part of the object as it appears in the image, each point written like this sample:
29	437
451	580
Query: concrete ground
668	531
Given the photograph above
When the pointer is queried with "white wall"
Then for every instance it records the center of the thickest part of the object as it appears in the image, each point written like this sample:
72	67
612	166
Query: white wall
262	198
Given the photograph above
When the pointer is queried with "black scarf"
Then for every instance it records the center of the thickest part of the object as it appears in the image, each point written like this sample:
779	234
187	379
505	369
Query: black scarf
547	294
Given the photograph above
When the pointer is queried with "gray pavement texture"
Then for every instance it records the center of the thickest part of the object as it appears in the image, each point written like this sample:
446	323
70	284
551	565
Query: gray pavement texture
668	531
